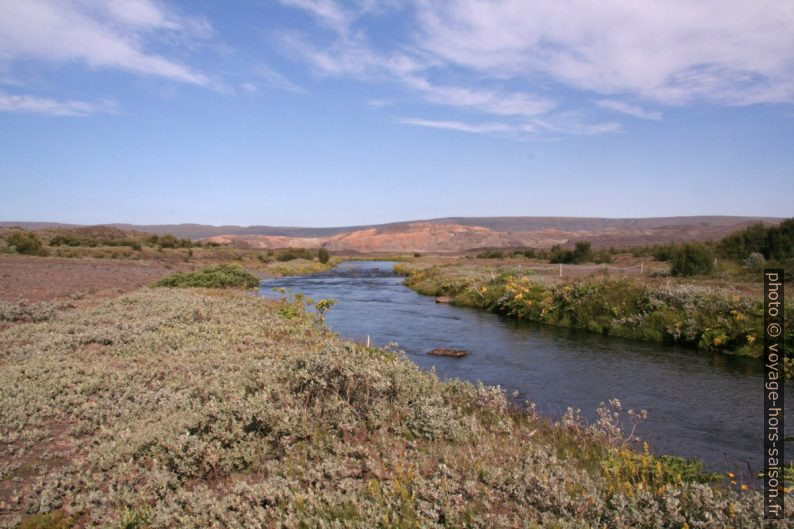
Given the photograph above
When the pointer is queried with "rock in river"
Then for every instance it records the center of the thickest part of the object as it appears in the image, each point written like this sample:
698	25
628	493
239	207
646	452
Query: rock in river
443	299
452	353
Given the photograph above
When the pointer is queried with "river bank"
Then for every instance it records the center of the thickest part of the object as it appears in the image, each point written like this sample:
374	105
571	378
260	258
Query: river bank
210	407
704	317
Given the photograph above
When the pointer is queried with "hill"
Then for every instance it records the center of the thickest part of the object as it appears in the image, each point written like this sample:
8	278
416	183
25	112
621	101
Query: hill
455	234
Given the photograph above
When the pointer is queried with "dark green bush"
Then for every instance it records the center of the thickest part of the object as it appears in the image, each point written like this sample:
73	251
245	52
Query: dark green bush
220	276
775	242
294	253
323	255
169	241
692	259
491	254
26	243
581	253
71	240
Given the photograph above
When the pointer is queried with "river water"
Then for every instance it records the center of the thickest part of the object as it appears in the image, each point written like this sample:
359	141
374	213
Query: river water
700	405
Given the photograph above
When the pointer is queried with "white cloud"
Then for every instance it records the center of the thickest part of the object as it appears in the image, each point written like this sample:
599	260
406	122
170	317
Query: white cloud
507	59
274	79
565	123
489	101
476	128
379	103
629	109
725	51
52	107
97	33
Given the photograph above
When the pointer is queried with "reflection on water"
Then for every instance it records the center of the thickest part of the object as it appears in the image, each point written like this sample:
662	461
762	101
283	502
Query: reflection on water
700	405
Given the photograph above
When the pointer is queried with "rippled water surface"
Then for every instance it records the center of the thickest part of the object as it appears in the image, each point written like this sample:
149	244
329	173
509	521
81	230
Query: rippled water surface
700	405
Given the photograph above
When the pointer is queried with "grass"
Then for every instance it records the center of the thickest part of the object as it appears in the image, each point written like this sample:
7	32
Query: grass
219	276
199	408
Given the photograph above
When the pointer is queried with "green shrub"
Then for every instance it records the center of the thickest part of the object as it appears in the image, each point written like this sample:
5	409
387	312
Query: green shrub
26	243
291	254
692	259
775	242
491	254
169	241
581	253
71	240
220	276
323	255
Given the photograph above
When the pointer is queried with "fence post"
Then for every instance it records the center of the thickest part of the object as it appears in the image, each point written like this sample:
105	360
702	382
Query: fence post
560	269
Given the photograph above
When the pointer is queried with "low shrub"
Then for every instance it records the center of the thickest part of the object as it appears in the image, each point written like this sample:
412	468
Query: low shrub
23	310
692	259
26	243
323	255
169	241
774	242
491	254
71	240
291	254
581	253
220	276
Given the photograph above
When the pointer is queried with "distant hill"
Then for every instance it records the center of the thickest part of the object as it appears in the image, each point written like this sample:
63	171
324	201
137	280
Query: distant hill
453	234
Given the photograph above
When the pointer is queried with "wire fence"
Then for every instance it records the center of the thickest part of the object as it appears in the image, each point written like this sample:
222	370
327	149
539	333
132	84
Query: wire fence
580	270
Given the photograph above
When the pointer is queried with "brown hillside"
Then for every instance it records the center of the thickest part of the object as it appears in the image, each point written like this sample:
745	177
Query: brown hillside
451	237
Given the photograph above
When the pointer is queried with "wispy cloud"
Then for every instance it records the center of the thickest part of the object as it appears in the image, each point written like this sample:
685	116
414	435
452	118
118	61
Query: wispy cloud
475	128
728	51
509	59
53	107
379	103
100	34
273	79
629	109
564	123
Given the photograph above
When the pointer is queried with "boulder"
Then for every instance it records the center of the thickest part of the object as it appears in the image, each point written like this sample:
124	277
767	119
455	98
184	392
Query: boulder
443	299
452	353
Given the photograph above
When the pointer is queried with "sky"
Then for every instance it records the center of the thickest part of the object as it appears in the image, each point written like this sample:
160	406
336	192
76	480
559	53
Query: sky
332	113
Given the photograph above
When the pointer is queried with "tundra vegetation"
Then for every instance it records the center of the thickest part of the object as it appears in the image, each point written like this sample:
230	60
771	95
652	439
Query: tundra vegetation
105	242
199	408
24	242
220	276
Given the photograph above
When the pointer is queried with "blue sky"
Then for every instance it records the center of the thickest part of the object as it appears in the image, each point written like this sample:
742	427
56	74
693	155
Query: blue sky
329	113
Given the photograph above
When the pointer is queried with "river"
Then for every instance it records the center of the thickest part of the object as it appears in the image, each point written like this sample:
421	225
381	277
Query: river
700	405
